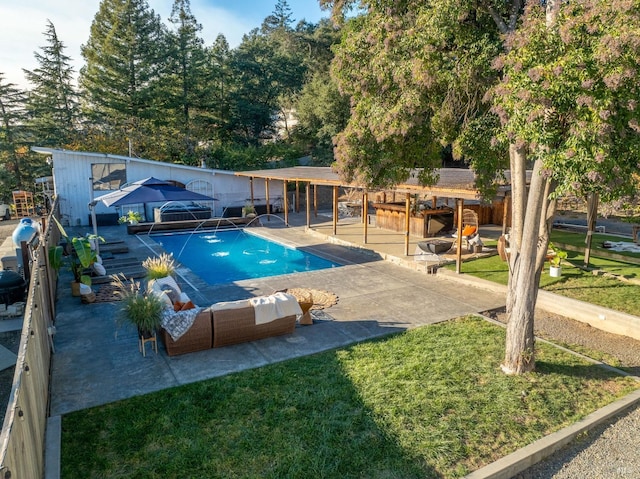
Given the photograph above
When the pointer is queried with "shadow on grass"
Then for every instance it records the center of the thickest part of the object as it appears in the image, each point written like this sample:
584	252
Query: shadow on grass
585	371
296	419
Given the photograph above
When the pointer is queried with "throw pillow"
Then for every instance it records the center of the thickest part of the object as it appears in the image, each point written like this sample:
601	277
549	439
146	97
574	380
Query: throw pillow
468	230
177	306
187	305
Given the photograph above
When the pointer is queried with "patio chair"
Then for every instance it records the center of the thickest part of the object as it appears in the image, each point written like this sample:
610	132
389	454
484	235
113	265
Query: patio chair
469	226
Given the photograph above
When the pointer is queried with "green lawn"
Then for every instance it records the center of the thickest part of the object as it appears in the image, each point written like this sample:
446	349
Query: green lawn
431	402
575	282
578	240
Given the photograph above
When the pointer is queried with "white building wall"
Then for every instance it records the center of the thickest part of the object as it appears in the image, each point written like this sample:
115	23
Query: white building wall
73	186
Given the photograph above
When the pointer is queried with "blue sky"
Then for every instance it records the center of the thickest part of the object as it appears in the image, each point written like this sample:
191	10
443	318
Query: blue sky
23	22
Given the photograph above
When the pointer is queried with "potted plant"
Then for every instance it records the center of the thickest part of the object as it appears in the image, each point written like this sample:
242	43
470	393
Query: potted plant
159	266
555	260
142	310
132	217
81	256
248	210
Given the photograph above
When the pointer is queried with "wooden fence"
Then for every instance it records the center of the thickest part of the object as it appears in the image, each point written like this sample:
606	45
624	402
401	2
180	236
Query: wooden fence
22	441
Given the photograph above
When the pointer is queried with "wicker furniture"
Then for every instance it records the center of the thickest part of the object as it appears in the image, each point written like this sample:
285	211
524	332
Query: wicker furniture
223	324
232	326
198	338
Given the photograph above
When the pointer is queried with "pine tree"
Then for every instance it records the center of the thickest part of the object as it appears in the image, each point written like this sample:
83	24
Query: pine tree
52	105
185	84
123	65
279	20
13	144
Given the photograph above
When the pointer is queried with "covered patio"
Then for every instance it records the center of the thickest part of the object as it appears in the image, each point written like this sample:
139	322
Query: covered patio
454	184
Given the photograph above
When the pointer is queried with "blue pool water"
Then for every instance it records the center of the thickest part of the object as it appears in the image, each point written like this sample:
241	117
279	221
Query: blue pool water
227	256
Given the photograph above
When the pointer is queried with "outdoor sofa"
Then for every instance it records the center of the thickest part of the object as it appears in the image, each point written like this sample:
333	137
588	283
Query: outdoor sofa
226	323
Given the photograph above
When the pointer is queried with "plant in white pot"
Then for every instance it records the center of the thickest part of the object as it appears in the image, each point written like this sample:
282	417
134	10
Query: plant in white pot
248	210
555	261
159	266
132	218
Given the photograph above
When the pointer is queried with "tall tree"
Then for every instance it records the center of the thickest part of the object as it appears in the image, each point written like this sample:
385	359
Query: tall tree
280	20
568	102
124	59
185	82
416	73
13	138
265	77
322	111
216	119
52	104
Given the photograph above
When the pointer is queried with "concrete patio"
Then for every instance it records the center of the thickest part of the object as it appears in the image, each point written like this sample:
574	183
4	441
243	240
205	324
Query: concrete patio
95	362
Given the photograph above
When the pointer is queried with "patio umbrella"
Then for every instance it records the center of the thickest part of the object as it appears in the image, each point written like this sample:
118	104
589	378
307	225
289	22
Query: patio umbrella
151	190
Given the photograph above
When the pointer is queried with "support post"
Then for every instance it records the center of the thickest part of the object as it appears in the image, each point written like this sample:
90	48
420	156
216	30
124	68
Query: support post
407	211
285	202
335	210
308	191
459	207
315	201
505	212
592	213
365	216
266	195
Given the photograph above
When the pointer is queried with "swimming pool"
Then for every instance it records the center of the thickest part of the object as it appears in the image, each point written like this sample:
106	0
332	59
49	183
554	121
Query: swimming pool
228	256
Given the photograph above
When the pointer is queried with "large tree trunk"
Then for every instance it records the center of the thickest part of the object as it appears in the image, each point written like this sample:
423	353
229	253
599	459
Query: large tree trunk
528	252
531	222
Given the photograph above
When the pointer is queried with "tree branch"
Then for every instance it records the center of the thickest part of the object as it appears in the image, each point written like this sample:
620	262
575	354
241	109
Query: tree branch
516	7
502	26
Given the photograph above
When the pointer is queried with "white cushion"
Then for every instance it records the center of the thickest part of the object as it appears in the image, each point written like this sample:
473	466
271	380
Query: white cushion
242	303
167	280
99	269
163	296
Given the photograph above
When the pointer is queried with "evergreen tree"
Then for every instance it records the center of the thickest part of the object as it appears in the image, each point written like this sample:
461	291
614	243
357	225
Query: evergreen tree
280	19
123	57
13	139
185	84
52	105
215	121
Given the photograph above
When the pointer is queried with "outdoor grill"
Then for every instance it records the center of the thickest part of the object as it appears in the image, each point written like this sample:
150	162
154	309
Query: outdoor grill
12	287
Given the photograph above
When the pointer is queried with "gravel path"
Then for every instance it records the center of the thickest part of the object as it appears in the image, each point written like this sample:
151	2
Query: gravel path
610	450
606	452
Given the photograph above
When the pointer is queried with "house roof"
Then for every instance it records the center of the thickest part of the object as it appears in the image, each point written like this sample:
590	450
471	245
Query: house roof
51	151
453	182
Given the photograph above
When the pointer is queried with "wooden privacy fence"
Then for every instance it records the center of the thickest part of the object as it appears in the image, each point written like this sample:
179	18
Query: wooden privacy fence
22	440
